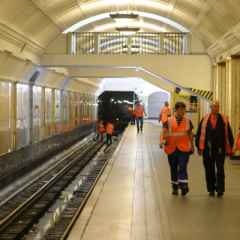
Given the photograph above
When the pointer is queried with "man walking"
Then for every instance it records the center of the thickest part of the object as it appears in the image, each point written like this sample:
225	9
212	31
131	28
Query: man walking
139	113
177	140
214	140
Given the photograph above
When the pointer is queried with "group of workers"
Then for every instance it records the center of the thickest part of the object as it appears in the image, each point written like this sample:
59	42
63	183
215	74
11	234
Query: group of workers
102	129
214	140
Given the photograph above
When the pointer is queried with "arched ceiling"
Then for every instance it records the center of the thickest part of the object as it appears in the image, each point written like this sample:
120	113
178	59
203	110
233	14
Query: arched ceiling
43	20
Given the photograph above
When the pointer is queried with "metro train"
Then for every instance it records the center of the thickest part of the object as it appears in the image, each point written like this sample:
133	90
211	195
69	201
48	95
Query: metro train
116	106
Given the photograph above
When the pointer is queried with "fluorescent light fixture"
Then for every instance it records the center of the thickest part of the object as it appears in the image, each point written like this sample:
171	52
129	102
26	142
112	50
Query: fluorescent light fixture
147	15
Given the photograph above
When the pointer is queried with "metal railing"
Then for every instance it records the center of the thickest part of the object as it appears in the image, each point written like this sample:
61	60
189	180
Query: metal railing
144	43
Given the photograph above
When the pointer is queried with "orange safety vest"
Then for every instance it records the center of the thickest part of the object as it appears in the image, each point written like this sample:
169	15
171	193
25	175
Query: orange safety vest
139	111
228	147
109	128
164	114
178	136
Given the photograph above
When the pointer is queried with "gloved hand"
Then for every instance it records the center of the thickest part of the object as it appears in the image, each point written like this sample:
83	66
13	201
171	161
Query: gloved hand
163	143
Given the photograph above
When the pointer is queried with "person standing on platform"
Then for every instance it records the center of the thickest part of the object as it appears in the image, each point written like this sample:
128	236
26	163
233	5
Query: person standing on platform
214	140
139	113
165	113
109	132
178	145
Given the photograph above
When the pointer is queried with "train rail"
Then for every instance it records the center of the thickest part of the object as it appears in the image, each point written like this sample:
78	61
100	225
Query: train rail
19	213
71	212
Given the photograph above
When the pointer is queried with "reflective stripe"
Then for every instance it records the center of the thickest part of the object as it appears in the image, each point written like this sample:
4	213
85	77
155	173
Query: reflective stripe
183	180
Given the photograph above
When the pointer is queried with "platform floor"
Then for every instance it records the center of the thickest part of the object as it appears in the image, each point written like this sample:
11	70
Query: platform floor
133	198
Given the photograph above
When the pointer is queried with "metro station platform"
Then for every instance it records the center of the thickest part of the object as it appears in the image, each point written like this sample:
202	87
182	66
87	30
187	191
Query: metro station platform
133	201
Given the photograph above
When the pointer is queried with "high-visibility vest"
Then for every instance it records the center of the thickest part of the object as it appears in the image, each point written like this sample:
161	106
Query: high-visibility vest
178	136
202	138
164	114
139	111
109	128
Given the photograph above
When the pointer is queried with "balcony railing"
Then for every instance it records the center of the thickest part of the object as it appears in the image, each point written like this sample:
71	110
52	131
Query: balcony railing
114	43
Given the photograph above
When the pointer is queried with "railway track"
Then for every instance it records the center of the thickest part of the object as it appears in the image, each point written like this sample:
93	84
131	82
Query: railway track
62	228
19	213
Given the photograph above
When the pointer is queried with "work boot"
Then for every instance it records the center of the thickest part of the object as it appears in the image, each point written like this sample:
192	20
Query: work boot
220	194
174	189
184	189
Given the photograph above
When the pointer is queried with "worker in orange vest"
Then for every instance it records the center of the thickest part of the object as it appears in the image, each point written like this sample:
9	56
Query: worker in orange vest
214	139
165	113
139	113
177	139
109	132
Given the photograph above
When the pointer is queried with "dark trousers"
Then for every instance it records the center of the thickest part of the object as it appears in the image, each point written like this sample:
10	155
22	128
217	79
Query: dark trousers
214	171
109	139
139	121
178	168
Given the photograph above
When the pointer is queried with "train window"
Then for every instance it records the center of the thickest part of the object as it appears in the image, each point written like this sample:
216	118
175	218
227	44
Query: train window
5	131
23	117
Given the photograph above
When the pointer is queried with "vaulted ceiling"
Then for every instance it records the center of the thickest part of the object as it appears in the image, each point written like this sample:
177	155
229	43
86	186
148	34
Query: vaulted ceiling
43	20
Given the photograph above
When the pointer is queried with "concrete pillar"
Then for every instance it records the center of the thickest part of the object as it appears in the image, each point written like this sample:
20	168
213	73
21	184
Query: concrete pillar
235	90
226	89
221	85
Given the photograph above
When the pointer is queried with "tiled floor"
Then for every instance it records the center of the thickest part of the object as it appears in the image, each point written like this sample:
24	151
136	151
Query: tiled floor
133	201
